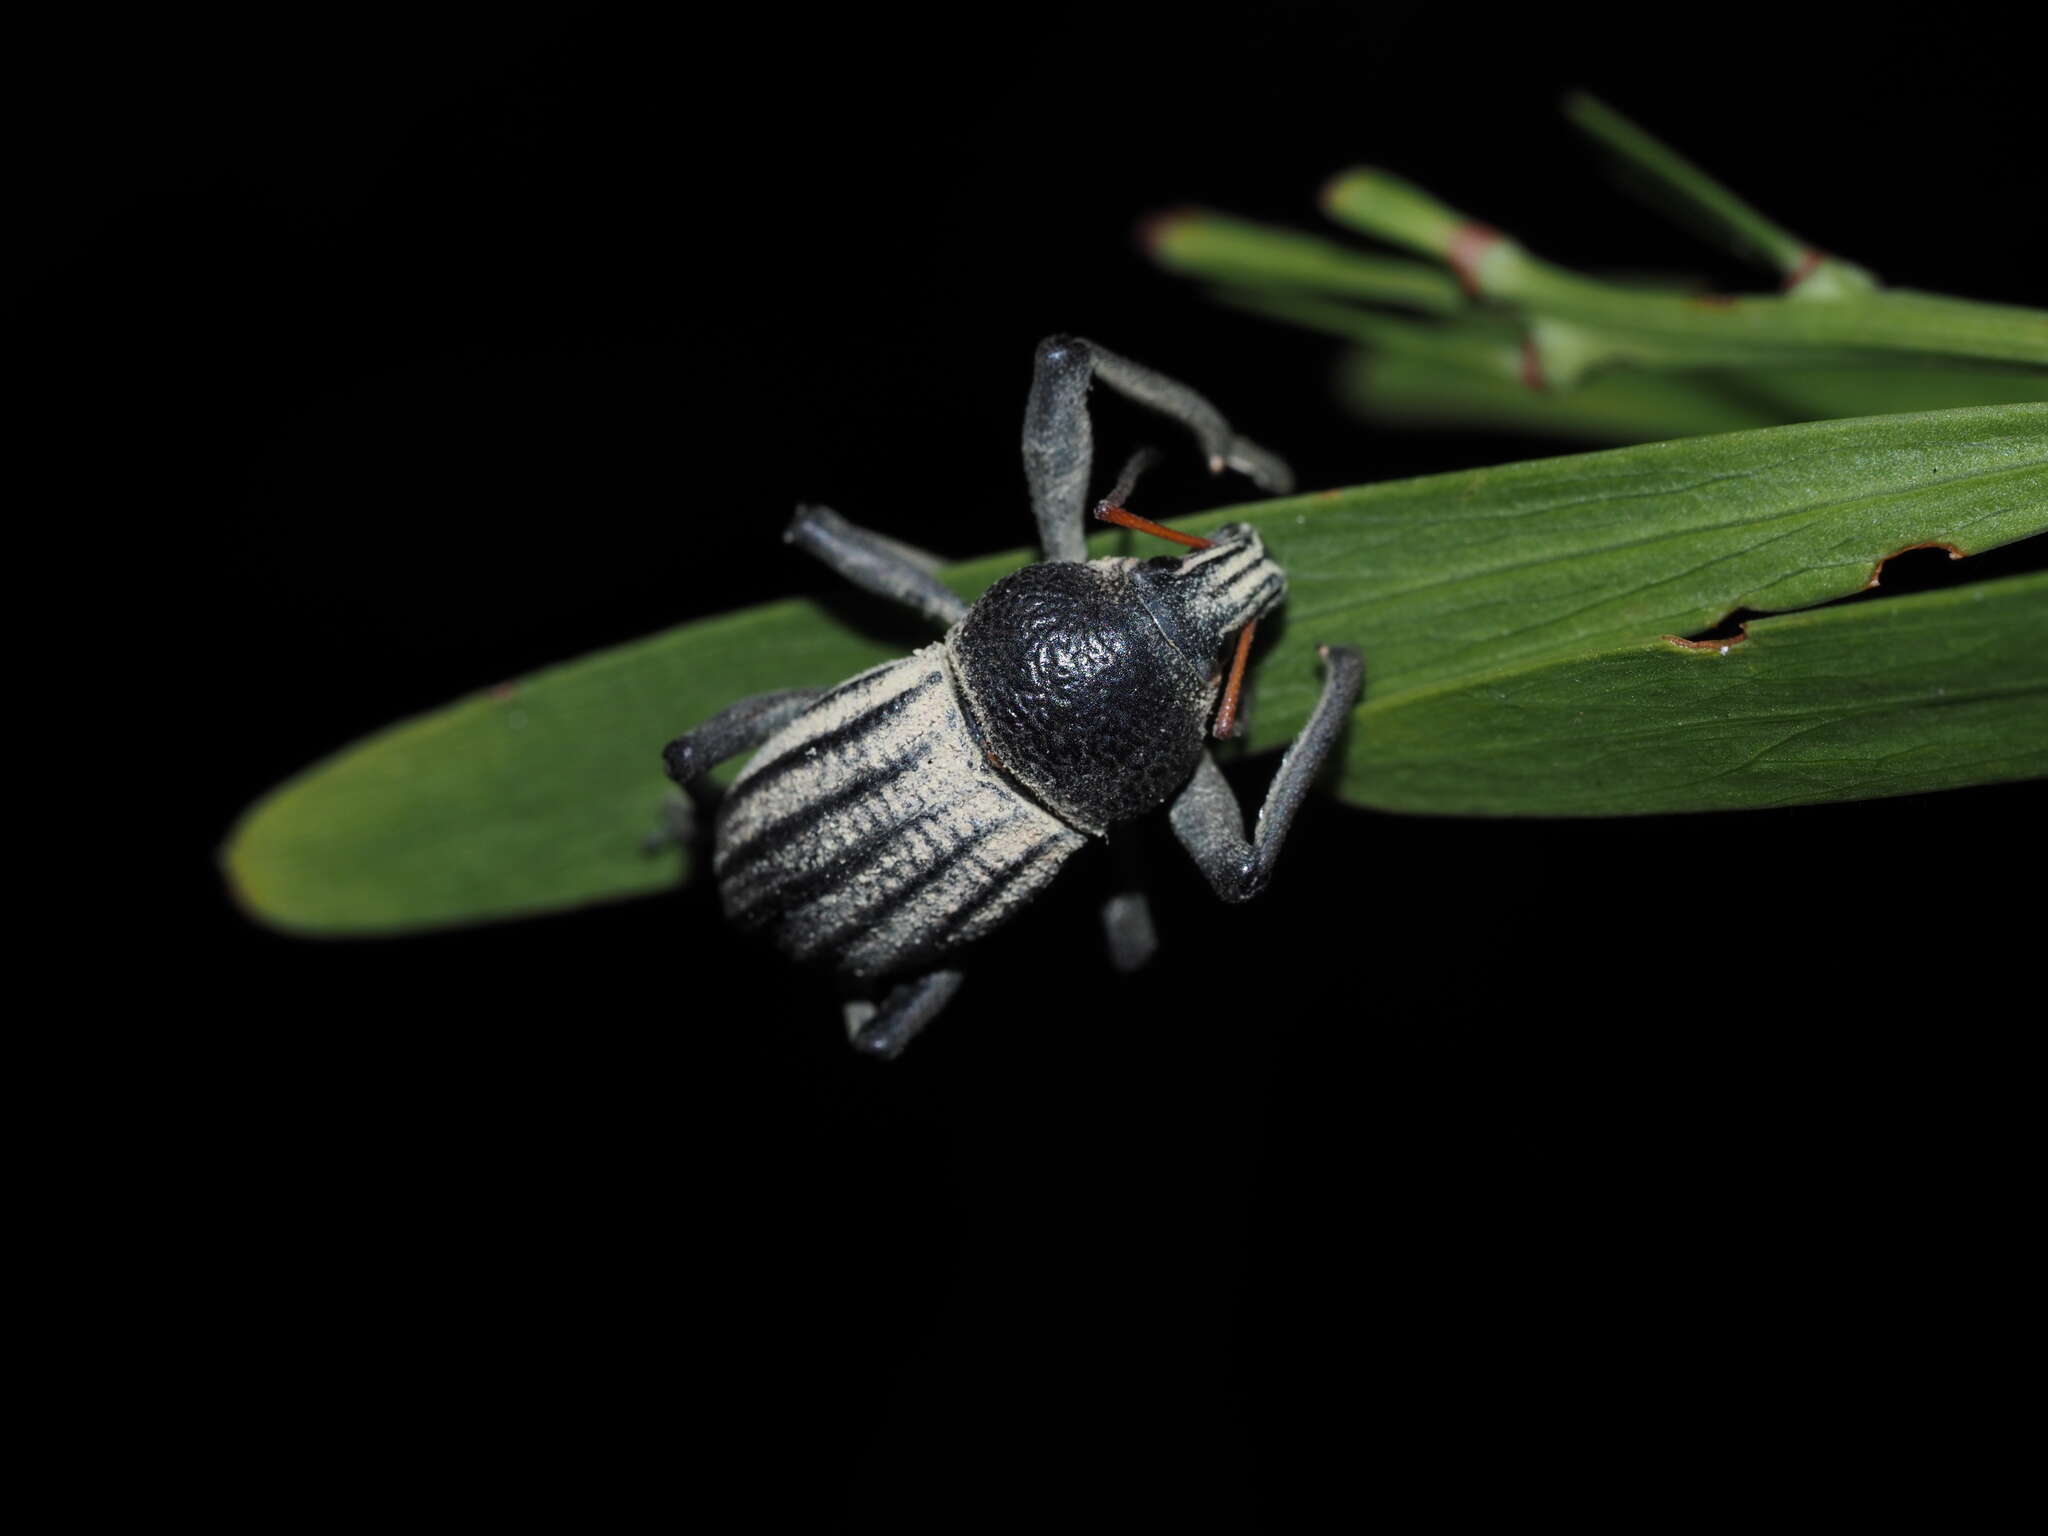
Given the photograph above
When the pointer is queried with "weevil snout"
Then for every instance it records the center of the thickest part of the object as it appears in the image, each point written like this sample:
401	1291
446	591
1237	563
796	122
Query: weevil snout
1205	597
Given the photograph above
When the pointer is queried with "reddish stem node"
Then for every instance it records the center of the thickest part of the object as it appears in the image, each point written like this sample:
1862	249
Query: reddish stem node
1809	259
1469	242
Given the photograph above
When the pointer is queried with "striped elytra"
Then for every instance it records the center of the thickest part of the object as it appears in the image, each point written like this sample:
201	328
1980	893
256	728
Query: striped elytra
872	831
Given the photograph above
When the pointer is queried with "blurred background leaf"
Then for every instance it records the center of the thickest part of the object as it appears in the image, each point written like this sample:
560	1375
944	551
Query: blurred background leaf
1493	335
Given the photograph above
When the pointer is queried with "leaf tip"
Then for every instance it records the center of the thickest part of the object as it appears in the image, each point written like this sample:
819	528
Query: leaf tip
1157	232
1343	185
249	877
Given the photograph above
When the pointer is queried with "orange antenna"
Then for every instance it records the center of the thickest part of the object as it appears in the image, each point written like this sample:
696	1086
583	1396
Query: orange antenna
1115	514
1226	717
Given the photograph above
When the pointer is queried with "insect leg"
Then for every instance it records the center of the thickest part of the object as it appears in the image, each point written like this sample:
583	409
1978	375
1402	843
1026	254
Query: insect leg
740	728
693	754
1206	816
876	564
1127	915
884	1031
1127	924
1059	443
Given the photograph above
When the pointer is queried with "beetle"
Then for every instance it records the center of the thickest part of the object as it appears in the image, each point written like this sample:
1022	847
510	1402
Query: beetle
888	822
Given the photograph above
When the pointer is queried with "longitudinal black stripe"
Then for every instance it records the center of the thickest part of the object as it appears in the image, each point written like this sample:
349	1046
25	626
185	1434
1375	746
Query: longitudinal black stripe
873	917
858	681
1272	586
762	841
999	882
802	887
844	736
1251	602
1253	568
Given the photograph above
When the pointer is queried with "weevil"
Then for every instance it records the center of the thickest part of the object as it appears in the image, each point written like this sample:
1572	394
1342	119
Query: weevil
885	824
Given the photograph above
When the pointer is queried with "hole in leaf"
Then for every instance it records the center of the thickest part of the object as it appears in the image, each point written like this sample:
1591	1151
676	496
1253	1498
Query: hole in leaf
1918	568
1732	630
1926	567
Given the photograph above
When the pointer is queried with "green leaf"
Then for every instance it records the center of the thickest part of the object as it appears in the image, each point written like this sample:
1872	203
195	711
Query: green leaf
1844	703
1521	603
527	797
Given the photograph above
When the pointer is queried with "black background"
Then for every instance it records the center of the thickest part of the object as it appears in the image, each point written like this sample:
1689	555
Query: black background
1569	1164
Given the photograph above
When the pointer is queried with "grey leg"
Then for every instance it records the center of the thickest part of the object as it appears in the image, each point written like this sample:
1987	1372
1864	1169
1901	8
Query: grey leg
732	731
1059	445
876	564
884	1031
675	825
693	754
1127	922
1127	915
1206	817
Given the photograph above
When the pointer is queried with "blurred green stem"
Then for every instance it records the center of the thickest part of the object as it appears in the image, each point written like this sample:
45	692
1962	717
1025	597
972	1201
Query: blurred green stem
1742	228
1694	330
1197	243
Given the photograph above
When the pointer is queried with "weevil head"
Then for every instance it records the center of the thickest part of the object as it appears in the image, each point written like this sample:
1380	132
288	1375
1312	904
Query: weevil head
1201	599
